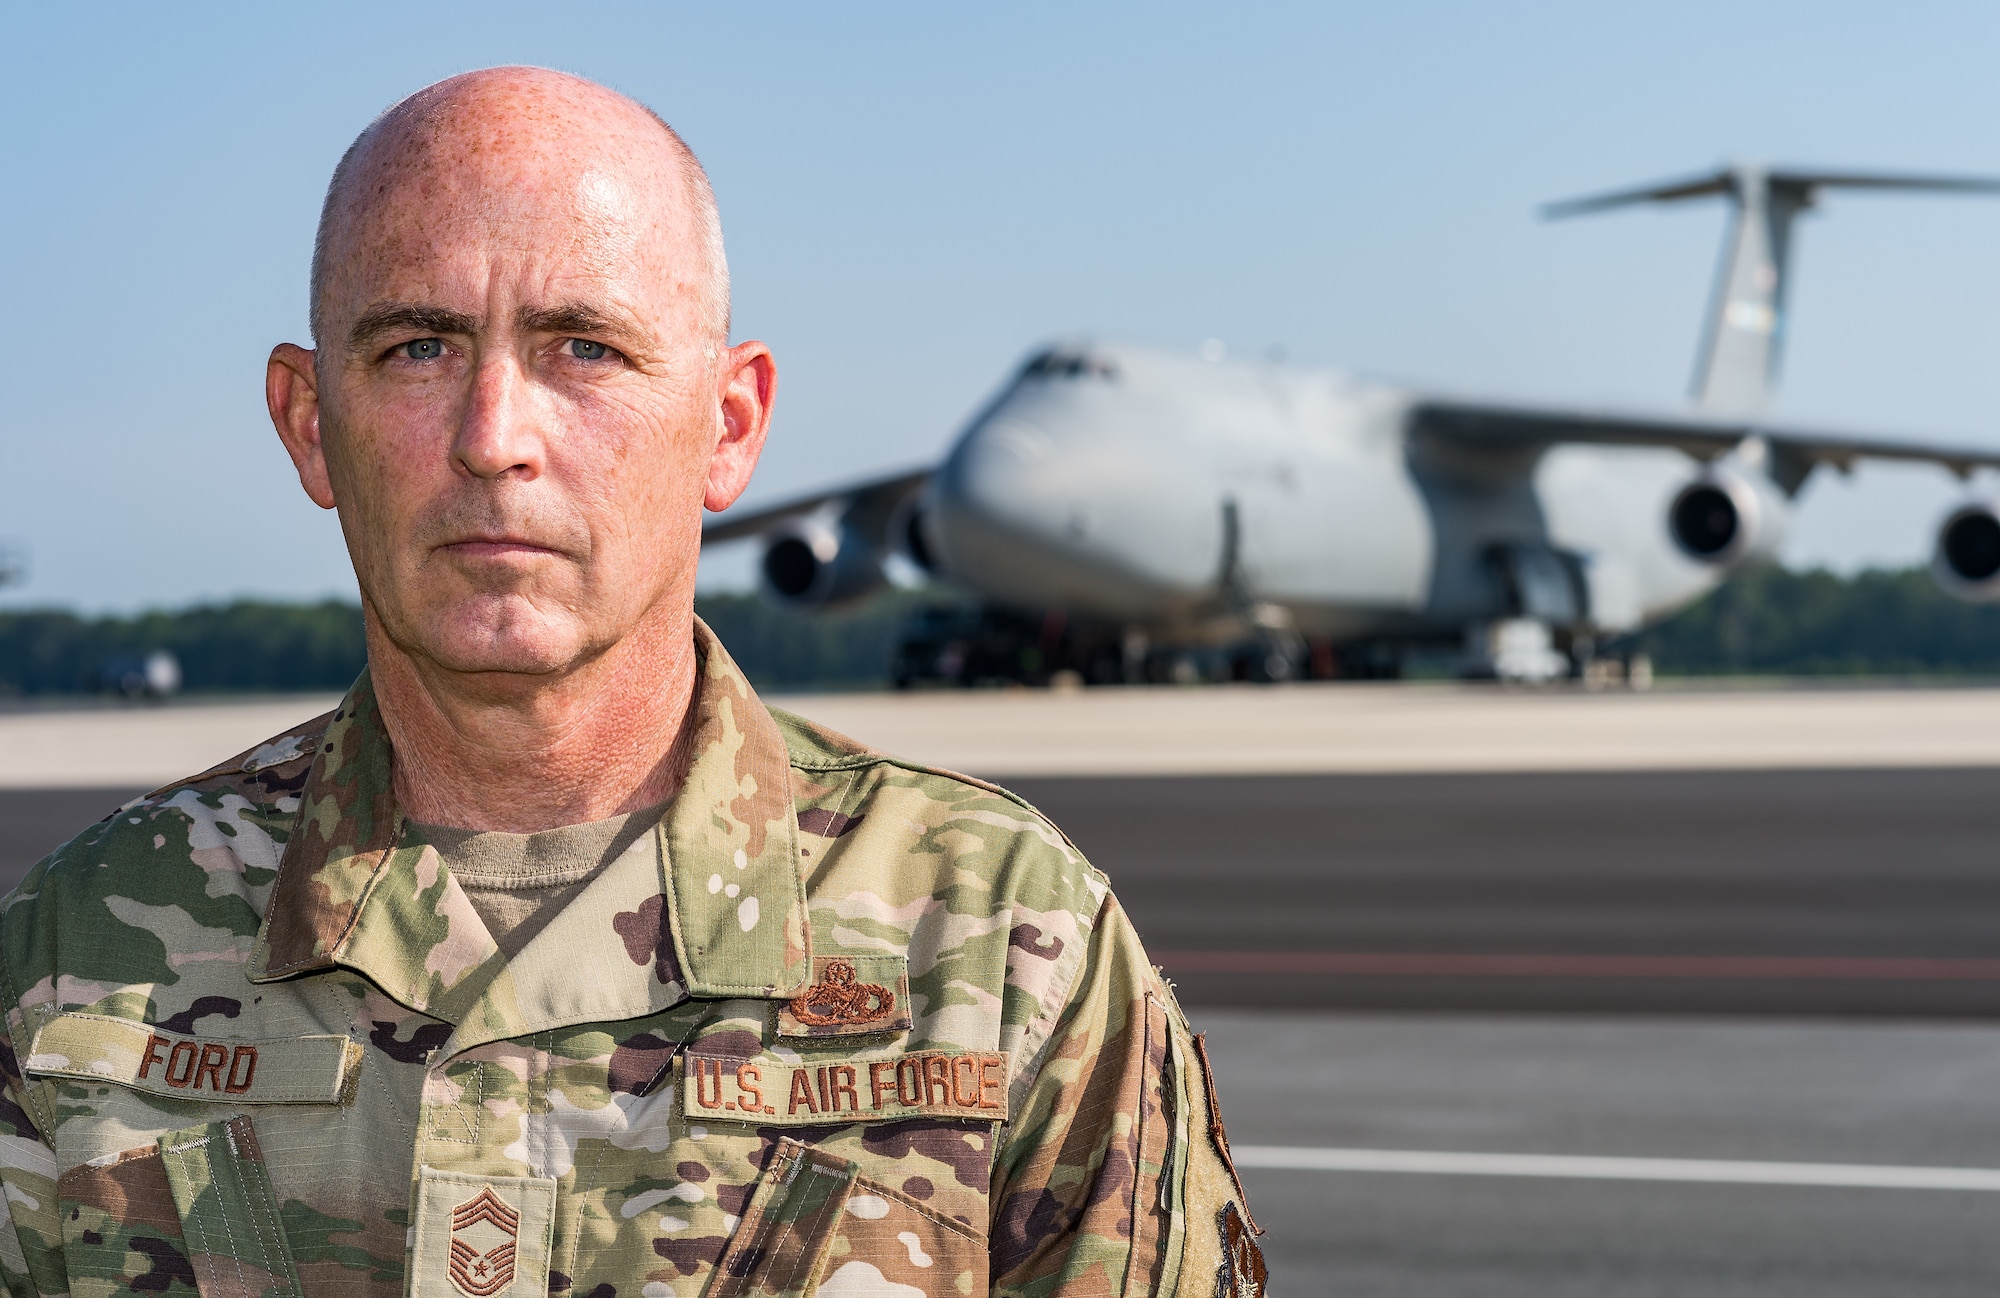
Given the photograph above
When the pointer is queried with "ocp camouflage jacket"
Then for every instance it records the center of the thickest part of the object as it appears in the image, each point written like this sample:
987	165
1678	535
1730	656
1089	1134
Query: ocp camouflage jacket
841	1024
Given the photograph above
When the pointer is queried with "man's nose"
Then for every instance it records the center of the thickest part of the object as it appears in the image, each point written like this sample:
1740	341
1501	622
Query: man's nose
499	433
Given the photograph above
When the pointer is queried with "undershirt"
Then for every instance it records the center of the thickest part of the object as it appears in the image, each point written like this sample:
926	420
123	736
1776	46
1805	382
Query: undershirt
517	883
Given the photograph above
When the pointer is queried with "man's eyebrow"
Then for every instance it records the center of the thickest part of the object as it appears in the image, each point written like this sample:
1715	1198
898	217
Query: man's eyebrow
397	317
564	318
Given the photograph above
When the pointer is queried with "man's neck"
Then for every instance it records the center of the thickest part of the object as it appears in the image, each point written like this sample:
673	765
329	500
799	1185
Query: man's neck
534	753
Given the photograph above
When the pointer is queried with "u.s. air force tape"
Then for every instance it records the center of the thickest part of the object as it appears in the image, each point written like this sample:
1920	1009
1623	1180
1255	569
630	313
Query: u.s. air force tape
922	1083
269	1070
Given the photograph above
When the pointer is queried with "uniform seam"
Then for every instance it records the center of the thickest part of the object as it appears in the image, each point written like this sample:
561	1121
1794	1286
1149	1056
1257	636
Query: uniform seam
45	1127
270	1234
240	764
1025	1081
865	760
375	873
119	1160
195	1225
1145	1118
952	1224
762	1230
458	1111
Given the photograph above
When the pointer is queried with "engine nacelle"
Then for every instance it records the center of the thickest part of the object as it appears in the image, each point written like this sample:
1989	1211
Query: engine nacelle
1726	518
913	533
1967	561
816	565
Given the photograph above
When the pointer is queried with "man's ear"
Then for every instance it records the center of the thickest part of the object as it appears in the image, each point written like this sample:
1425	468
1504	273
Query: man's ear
748	379
291	390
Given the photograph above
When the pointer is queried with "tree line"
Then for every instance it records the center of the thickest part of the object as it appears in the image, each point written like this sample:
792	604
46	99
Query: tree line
1767	621
258	646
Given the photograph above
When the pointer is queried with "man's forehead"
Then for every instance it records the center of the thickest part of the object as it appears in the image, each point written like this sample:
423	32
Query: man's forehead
558	237
519	174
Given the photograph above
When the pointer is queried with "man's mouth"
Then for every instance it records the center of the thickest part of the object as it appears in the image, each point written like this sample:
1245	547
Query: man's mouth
496	547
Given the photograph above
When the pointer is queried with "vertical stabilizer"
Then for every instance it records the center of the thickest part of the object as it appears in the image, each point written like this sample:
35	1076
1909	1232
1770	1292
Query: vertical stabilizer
1745	330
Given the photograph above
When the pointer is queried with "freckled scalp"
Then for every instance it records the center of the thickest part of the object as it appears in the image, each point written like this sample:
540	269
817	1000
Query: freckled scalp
526	107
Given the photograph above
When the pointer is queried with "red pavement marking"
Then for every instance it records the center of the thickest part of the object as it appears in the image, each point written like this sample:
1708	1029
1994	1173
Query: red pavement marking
1440	964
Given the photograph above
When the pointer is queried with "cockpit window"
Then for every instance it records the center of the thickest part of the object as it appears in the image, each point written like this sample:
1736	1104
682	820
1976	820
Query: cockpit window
1068	365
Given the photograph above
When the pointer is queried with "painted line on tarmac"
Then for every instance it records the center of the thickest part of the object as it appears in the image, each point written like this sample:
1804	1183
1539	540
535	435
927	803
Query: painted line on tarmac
1704	1171
1477	965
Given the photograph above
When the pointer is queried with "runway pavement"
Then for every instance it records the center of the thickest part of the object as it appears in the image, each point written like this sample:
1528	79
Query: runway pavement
1323	728
1686	1094
1847	892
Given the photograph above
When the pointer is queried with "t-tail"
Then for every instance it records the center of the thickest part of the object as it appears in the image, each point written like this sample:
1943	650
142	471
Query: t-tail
1739	351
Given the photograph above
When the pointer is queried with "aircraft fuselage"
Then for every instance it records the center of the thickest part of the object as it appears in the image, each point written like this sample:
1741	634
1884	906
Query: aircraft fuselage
1104	481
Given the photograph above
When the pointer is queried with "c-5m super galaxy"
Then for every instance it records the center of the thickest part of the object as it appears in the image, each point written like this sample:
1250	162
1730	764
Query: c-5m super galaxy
1133	514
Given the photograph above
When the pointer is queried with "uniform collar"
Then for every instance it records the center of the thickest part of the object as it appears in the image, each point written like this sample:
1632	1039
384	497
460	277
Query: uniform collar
717	910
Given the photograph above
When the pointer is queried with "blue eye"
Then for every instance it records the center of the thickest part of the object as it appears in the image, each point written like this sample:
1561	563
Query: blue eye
585	350
423	349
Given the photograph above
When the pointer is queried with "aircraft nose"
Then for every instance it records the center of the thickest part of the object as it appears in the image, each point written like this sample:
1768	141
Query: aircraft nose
1084	511
1004	473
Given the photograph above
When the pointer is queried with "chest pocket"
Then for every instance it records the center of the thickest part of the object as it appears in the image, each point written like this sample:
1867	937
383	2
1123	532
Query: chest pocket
815	1222
192	1210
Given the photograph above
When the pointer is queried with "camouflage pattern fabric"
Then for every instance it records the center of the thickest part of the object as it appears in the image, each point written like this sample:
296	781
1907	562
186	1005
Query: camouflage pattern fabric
840	1024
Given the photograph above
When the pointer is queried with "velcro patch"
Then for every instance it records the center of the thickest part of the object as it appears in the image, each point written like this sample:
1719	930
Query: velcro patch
273	1070
850	996
922	1083
482	1236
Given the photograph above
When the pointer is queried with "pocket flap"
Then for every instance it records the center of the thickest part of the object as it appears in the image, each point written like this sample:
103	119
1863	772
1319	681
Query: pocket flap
271	1070
236	1244
781	1244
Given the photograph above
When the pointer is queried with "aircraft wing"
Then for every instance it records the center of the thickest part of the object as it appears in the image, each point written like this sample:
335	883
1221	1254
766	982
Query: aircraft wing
1503	425
866	506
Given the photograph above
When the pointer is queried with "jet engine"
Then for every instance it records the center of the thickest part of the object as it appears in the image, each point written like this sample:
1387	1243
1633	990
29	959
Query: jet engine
814	565
1967	562
1725	517
912	533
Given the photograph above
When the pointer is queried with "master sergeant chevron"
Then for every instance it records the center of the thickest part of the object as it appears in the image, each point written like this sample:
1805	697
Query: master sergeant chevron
552	962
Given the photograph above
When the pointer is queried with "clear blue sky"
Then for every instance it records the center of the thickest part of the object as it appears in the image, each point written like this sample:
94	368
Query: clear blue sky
914	195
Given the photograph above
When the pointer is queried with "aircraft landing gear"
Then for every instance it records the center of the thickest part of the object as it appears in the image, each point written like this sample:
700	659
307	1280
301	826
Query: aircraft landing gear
1528	651
1518	650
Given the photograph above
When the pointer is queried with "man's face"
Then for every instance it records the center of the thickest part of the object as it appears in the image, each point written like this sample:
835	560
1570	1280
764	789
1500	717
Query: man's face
519	405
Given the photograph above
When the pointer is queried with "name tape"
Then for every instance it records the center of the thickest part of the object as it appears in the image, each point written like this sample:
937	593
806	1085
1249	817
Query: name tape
934	1083
273	1070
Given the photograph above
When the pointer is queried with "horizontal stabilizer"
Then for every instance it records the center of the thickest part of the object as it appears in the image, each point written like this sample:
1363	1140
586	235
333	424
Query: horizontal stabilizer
1739	353
1803	184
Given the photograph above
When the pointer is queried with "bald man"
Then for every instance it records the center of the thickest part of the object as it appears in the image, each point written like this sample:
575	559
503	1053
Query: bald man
552	961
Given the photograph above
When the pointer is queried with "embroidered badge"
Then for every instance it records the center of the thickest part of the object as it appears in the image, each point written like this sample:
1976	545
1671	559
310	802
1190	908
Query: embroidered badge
483	1232
481	1236
838	999
850	996
1242	1273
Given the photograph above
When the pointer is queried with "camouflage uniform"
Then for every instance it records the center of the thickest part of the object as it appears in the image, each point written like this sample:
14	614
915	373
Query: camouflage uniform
839	1024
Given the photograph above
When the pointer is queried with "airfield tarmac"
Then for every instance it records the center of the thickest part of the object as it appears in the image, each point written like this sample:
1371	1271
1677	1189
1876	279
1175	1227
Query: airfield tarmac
1511	993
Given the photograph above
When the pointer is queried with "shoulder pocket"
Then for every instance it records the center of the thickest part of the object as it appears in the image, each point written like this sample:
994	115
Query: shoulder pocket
272	1070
